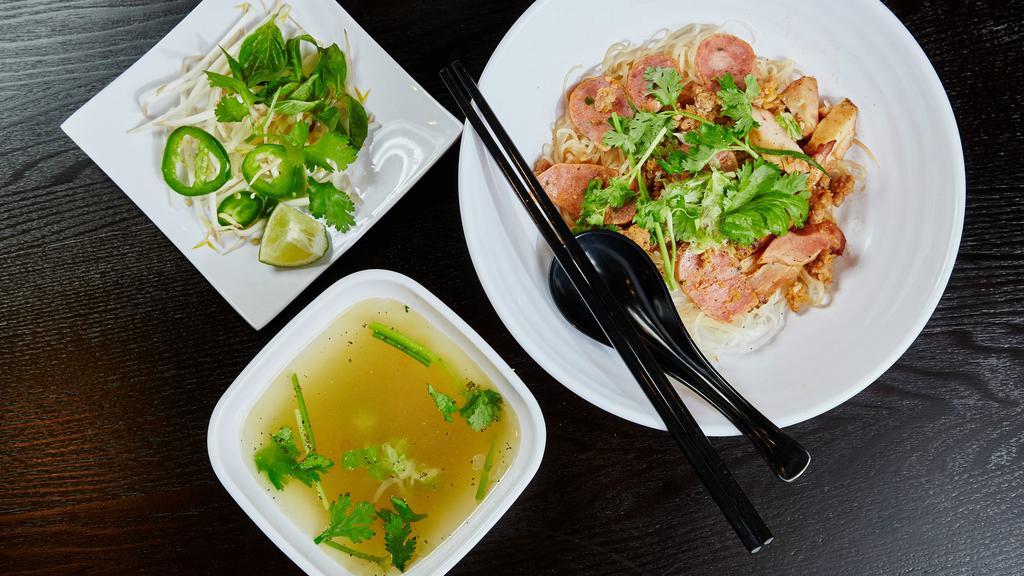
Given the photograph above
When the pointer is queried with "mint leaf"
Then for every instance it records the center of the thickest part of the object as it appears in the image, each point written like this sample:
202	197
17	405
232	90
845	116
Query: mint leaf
230	109
262	55
291	107
232	85
293	53
333	69
356	122
333	205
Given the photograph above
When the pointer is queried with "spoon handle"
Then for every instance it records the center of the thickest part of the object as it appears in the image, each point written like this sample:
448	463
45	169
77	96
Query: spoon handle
787	458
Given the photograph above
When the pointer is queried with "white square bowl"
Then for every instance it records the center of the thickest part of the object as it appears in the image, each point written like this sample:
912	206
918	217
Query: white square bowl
414	132
234	466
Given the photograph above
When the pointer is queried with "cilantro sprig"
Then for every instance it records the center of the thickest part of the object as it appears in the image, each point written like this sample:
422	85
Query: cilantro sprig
353	521
280	459
481	407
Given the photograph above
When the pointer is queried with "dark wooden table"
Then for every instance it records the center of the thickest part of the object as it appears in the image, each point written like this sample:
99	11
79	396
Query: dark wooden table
114	350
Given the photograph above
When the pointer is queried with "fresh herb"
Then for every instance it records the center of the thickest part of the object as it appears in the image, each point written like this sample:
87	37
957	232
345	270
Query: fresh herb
445	403
262	55
231	85
404	343
737	104
764	202
333	69
331	152
485	473
333	205
786	120
348	520
598	198
230	109
482	407
388	460
279	461
665	84
398	539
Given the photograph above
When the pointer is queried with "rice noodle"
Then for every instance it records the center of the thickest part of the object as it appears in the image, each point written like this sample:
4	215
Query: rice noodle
758	327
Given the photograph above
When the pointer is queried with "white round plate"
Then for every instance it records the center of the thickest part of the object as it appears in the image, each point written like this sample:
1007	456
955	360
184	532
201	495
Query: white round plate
903	233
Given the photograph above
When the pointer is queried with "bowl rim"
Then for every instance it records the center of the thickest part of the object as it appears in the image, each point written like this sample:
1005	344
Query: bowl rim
224	435
643	414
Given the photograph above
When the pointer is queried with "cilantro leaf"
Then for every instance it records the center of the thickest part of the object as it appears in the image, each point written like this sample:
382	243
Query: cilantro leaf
348	520
445	403
368	458
736	103
279	461
398	539
262	55
482	407
786	120
635	135
333	205
597	199
764	202
705	143
664	83
398	543
331	152
230	109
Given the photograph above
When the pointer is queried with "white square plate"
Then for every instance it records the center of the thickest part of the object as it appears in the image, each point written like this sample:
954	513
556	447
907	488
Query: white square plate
233	464
414	131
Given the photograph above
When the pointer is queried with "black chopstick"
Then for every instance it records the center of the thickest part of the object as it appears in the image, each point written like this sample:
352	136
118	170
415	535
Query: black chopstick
613	320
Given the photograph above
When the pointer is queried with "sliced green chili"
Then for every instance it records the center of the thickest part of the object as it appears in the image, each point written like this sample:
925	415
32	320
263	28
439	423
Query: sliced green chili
240	209
208	149
291	178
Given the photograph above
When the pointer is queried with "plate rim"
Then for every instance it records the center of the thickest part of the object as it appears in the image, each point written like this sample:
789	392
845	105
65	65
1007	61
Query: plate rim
259	317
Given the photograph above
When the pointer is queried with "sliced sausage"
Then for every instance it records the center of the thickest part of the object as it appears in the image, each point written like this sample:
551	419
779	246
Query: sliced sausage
591	104
719	54
801	98
565	184
715	284
638	87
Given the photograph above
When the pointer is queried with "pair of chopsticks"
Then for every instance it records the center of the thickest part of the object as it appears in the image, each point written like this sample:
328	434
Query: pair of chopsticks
613	320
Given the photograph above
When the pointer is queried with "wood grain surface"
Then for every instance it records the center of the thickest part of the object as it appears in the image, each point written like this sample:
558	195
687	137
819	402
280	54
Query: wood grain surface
114	350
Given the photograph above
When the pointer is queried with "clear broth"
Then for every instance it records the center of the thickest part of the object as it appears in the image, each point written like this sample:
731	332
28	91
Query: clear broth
361	392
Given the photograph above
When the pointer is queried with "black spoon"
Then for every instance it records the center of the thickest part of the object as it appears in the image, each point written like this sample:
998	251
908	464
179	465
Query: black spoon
635	281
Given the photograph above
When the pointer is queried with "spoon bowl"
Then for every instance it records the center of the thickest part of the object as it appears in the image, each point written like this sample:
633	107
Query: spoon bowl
635	281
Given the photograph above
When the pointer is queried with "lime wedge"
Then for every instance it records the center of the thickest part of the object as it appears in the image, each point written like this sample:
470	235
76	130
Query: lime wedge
292	239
